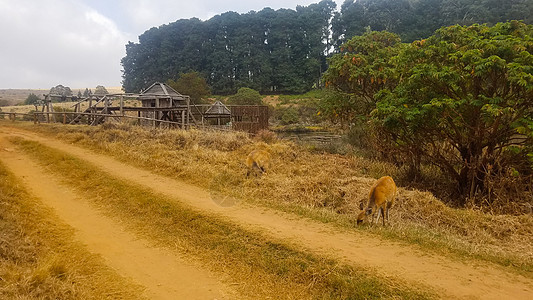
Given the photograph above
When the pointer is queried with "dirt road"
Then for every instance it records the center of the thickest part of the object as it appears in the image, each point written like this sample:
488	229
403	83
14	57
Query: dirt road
161	272
449	278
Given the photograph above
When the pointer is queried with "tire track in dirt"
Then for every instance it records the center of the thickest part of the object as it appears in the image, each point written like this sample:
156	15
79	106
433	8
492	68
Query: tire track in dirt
448	277
164	274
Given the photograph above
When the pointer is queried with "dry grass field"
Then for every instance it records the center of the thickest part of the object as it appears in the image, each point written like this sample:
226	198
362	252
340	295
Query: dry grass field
325	186
17	96
320	187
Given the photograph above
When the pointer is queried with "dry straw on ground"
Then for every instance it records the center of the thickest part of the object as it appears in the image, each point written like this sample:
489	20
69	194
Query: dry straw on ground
323	186
261	266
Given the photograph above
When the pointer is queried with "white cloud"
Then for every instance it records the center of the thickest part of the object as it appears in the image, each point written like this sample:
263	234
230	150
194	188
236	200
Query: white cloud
52	42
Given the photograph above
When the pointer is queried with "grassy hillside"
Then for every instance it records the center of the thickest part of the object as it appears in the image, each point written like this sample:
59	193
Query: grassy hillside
17	96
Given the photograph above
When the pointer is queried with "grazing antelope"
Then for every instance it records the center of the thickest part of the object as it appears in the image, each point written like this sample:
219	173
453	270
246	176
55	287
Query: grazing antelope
380	198
258	160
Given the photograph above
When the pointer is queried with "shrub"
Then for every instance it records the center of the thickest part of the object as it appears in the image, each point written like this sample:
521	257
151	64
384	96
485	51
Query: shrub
246	96
289	115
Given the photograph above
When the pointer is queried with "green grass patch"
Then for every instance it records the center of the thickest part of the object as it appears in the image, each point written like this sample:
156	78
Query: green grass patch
311	95
261	267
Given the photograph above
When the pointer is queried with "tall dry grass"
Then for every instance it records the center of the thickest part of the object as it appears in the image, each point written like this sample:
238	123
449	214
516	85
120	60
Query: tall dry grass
324	186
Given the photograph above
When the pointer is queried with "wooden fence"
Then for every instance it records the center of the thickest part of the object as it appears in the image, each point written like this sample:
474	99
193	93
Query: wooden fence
65	117
249	119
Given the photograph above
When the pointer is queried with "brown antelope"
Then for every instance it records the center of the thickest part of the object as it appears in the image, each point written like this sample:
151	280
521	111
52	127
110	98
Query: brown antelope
257	160
380	198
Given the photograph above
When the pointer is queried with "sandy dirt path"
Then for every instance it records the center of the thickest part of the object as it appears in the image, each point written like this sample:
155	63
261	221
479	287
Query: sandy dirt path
448	277
164	274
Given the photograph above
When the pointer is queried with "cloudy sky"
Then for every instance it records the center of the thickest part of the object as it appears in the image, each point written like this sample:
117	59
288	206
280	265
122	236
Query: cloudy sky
79	43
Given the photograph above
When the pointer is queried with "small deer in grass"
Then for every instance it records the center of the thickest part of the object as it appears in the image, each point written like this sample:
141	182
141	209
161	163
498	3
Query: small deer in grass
257	160
380	198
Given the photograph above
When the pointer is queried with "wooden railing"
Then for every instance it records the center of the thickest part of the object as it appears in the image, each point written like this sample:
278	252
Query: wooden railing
67	117
61	117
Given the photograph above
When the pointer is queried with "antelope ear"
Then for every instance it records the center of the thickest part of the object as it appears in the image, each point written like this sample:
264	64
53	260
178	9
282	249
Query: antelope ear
361	205
368	211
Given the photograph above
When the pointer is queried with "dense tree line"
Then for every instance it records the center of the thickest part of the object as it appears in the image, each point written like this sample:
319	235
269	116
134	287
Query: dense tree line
461	100
284	51
281	51
418	19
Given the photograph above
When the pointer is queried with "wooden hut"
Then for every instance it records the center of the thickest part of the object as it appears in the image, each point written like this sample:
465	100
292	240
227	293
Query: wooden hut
217	114
164	106
161	102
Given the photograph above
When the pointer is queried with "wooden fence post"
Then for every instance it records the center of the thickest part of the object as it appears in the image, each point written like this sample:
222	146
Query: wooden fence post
122	105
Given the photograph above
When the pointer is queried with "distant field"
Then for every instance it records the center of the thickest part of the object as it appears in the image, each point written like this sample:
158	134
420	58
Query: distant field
64	105
16	96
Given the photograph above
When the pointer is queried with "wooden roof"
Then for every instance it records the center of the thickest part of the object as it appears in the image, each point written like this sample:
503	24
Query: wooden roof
161	90
218	108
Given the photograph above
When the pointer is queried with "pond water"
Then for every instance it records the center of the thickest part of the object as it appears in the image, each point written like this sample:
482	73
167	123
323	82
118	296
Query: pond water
316	137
